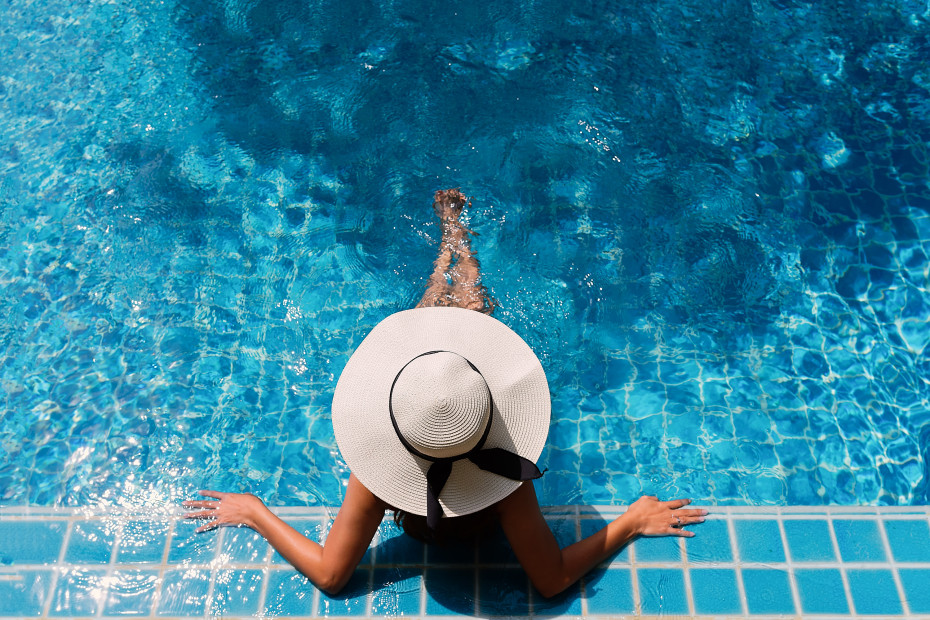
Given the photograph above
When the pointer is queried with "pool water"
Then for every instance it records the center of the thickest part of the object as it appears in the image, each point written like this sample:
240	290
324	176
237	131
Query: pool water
710	220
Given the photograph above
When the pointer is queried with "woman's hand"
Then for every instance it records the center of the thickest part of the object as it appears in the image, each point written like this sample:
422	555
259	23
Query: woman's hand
650	517
226	509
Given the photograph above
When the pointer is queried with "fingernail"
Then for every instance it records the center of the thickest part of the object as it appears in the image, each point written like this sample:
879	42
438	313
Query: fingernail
702	520
703	512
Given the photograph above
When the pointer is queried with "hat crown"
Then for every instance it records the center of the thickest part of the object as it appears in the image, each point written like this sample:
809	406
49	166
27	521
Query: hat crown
441	405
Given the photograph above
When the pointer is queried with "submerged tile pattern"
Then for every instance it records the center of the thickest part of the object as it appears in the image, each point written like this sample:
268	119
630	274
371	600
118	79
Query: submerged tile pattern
745	562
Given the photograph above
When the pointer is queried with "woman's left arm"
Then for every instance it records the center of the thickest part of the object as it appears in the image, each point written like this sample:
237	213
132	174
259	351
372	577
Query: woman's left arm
552	569
330	565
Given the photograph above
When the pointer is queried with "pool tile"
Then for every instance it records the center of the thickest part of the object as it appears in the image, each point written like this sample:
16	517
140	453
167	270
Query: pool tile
396	592
711	542
77	593
809	540
495	549
184	592
566	603
91	542
131	593
662	591
909	540
859	540
914	581
289	594
874	591
189	547
24	592
610	591
821	591
143	542
396	547
657	550
236	592
767	591
31	542
715	591
242	545
352	600
503	591
450	591
759	540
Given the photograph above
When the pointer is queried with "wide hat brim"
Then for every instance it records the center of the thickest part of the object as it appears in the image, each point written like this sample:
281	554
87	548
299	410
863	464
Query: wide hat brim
362	423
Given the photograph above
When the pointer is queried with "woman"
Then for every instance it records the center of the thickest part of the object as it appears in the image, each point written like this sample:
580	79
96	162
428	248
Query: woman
440	414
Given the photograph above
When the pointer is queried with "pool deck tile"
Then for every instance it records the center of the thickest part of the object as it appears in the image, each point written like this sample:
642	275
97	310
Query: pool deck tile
744	562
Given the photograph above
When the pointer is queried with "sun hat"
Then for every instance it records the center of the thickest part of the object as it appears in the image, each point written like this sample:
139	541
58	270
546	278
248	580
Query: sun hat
442	411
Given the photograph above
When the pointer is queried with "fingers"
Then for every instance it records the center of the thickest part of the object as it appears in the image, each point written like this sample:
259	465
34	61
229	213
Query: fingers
200	504
677	503
213	494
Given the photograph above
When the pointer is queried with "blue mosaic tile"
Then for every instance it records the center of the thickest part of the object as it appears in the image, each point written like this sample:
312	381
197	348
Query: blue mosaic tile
395	547
662	591
244	546
759	541
91	542
77	593
188	546
909	540
184	592
566	603
143	542
494	548
873	591
352	600
610	591
450	591
396	592
809	540
131	593
289	594
452	553
236	592
665	549
563	530
711	543
821	591
767	591
916	592
30	542
859	540
714	591
23	593
503	592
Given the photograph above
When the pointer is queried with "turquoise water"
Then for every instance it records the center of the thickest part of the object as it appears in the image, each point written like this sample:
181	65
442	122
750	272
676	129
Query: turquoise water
710	222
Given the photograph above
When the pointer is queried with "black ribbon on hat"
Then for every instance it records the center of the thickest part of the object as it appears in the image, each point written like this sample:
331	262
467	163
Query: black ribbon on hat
495	460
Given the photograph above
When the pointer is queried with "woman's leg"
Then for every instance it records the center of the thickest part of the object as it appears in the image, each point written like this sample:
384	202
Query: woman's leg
456	277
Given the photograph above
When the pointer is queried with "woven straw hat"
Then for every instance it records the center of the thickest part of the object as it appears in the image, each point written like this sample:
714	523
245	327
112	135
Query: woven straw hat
445	393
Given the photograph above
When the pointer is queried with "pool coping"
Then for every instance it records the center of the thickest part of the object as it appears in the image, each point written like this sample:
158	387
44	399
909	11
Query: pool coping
569	520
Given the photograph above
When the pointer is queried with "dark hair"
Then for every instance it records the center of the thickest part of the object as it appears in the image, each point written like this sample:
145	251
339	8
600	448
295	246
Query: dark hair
450	529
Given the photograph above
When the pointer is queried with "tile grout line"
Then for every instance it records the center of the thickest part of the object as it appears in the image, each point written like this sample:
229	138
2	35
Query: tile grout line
214	571
634	582
686	575
843	577
583	583
738	569
886	543
59	567
789	561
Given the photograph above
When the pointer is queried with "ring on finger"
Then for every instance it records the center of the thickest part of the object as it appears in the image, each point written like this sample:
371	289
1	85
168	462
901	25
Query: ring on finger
679	521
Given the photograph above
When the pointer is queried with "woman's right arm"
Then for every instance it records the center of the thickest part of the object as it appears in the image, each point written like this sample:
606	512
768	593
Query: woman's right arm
328	566
552	569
